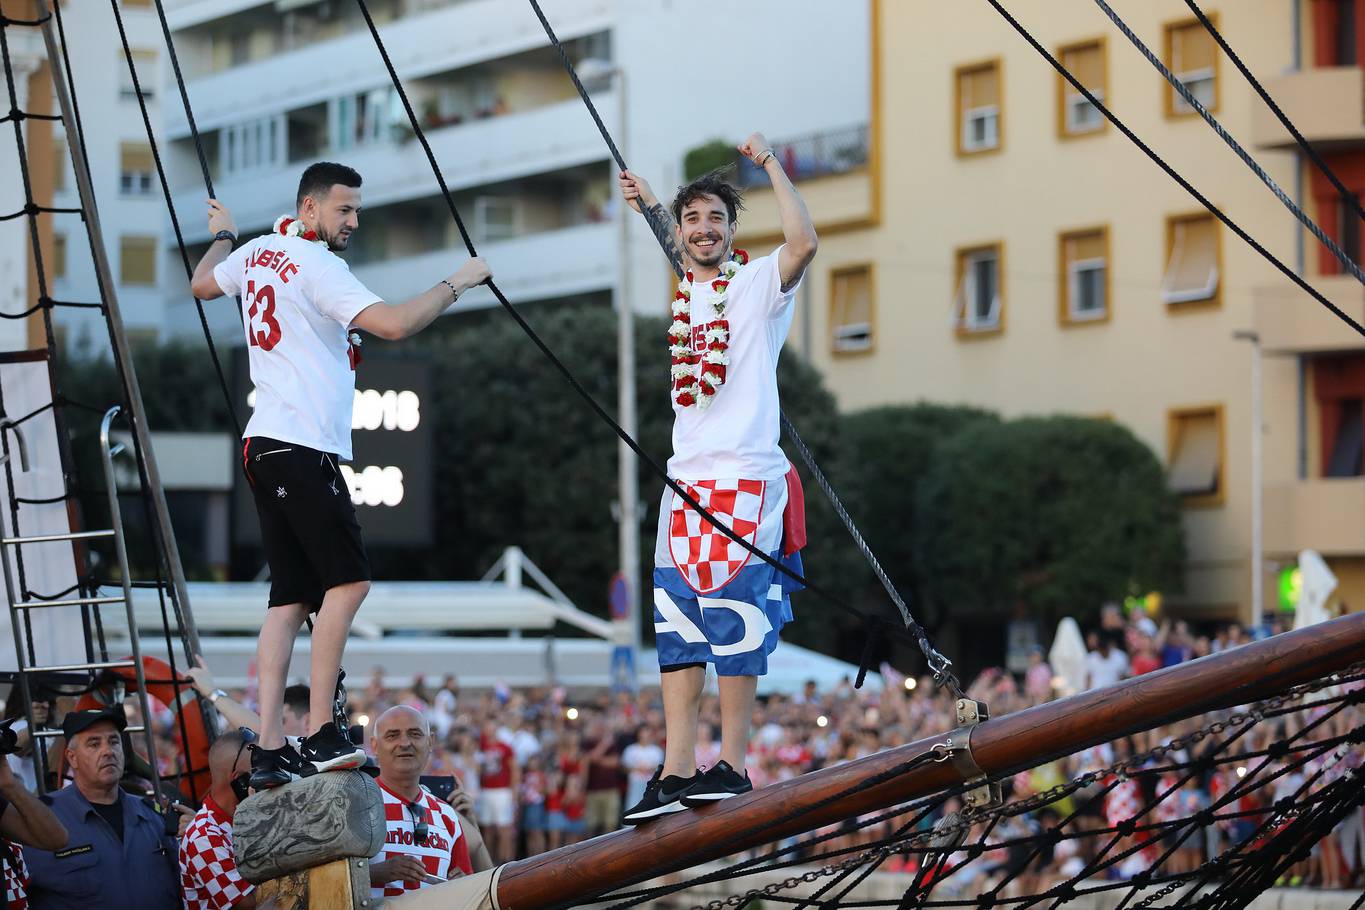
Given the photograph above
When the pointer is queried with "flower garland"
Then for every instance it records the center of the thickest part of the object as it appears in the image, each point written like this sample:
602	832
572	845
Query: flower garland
690	385
289	226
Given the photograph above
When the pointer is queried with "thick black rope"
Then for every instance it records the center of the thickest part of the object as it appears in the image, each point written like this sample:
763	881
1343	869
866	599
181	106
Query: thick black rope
938	663
915	631
170	208
1173	173
1349	198
1347	262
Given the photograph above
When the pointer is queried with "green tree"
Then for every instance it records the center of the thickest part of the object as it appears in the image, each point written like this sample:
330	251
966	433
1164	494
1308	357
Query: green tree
1050	515
712	156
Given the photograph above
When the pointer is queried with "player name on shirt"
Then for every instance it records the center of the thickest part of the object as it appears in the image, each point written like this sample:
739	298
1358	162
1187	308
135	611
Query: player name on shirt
274	260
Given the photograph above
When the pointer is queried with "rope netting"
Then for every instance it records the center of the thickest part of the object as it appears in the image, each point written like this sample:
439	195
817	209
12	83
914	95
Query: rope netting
1204	813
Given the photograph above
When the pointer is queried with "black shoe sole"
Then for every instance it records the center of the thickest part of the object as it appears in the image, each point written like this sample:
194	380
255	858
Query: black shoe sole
269	780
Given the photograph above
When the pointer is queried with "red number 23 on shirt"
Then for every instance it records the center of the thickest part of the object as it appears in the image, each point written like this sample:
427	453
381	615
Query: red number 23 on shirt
262	303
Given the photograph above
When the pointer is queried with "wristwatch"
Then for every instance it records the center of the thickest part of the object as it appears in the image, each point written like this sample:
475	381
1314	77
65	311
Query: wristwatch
225	235
215	695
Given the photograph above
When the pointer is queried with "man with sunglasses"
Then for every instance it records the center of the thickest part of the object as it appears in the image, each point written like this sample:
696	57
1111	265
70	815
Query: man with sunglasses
208	867
425	843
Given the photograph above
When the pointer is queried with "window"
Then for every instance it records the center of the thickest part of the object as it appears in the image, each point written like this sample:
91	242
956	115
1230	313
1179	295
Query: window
145	61
58	165
1084	275
1193	56
496	218
1076	115
135	169
1348	227
1348	447
57	268
1192	258
978	307
978	108
257	144
1195	439
364	118
137	260
850	309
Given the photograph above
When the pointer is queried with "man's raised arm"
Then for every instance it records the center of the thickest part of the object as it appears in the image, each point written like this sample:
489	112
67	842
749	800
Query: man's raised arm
641	198
203	285
797	230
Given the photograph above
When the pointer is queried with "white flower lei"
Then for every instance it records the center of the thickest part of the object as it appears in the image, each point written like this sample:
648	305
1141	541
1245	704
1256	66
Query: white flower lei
697	377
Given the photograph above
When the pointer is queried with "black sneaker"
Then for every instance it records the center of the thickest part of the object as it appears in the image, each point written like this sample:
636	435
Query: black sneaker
720	781
329	750
663	796
271	768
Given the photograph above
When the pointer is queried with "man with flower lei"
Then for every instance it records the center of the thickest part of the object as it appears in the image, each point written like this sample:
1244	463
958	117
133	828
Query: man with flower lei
714	601
300	303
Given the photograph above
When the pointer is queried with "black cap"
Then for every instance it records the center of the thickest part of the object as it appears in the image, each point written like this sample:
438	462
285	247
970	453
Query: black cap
76	721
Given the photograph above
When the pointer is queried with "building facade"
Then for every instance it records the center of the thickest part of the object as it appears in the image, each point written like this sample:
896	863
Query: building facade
1008	248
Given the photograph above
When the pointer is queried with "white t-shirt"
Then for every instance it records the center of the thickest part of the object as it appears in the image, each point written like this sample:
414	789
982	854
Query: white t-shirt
298	301
736	437
1105	671
640	761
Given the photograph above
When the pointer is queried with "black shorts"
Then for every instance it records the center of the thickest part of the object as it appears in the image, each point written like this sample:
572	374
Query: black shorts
308	524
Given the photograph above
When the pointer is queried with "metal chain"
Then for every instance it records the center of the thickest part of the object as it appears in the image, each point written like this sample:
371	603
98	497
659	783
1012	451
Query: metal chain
970	817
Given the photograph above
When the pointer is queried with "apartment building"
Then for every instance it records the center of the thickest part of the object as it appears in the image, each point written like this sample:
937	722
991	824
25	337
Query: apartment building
1006	247
277	85
131	206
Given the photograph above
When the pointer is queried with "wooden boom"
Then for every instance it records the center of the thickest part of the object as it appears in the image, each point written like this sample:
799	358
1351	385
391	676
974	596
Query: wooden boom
1001	746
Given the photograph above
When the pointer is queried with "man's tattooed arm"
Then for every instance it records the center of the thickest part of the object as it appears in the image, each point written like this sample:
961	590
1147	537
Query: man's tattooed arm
664	228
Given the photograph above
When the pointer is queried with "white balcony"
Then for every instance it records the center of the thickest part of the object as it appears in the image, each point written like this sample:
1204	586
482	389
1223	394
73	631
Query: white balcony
419	45
474	154
575	260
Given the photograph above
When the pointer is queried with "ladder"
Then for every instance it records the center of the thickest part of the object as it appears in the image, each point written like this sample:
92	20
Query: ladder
67	530
19	605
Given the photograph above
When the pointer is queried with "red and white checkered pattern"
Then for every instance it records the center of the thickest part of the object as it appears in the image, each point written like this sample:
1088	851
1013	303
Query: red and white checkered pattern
16	876
446	853
208	870
706	557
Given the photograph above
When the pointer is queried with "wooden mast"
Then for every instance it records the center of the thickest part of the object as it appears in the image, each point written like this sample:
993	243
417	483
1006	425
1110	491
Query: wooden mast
1012	743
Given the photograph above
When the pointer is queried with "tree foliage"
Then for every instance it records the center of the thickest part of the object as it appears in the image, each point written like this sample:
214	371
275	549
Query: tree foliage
1051	515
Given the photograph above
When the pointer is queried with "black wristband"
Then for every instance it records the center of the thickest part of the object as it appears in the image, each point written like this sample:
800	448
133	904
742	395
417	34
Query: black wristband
225	235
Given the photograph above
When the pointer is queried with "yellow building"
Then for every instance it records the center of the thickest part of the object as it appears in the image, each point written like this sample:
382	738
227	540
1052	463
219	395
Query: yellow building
1006	247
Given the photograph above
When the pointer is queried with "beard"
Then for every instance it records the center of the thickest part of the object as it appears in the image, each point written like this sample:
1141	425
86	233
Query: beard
336	242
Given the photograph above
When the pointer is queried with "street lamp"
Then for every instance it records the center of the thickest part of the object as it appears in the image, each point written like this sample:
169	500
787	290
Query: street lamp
1257	484
590	71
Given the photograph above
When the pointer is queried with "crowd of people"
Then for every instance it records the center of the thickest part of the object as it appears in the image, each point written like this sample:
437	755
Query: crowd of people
537	768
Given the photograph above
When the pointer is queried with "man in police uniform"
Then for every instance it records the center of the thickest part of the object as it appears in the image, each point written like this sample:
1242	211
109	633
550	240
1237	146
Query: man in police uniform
119	855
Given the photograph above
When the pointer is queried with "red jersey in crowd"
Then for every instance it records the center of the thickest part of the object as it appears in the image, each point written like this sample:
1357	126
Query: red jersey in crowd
496	764
208	867
445	854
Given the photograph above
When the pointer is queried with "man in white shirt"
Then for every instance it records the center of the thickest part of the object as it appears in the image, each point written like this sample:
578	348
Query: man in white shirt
300	302
714	602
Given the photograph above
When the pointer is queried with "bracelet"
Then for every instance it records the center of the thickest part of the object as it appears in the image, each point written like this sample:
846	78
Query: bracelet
764	163
452	289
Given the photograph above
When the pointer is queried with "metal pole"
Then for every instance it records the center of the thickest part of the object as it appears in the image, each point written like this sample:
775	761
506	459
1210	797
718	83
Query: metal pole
1257	480
137	414
627	468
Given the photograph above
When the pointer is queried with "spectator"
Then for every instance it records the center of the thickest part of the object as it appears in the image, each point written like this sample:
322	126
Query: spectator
444	704
24	761
425	843
1038	676
208	866
1104	663
534	820
498	791
23	820
233	711
641	759
605	777
119	854
296	710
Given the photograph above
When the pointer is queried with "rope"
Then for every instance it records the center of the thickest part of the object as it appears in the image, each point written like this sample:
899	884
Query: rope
1173	174
915	631
939	665
170	208
1347	262
1351	199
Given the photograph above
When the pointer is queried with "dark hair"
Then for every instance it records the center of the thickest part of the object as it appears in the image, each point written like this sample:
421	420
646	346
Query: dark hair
319	179
296	697
708	185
